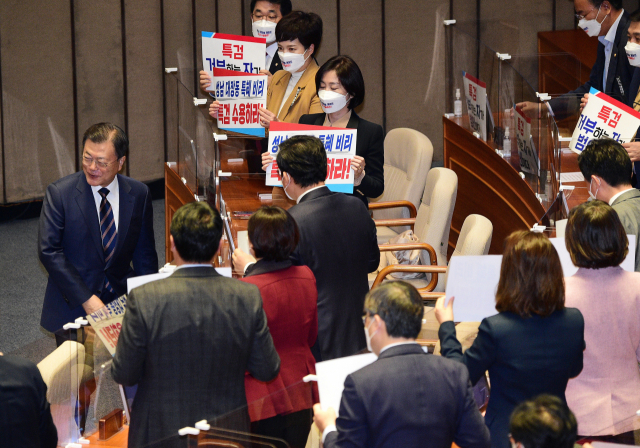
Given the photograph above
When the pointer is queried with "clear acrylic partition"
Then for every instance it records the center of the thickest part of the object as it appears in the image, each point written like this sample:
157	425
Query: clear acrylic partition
506	87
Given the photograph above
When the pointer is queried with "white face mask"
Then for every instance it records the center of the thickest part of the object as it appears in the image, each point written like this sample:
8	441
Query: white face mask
592	27
633	53
285	188
368	337
332	101
266	29
292	62
593	195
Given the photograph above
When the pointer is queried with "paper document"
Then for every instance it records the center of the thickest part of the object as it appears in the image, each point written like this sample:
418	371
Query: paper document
473	280
571	177
140	280
331	375
568	268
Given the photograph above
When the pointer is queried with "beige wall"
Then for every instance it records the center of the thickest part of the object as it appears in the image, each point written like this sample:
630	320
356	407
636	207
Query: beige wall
65	64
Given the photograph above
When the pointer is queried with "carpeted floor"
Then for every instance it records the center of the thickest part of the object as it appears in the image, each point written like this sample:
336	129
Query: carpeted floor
22	285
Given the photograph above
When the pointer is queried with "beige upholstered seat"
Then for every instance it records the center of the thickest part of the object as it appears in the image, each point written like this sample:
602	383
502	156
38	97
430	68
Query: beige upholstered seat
474	239
433	221
407	160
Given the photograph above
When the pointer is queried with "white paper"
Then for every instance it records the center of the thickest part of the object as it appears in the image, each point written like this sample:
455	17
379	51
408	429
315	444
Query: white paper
331	375
243	241
571	177
568	268
561	225
472	280
134	282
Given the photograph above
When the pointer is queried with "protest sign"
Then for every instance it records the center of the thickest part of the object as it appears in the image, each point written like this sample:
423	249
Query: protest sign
604	117
529	162
475	92
107	322
230	52
339	143
240	95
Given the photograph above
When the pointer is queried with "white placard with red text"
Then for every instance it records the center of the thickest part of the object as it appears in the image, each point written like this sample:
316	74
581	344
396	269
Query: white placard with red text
475	92
240	95
529	162
604	117
230	52
107	322
339	143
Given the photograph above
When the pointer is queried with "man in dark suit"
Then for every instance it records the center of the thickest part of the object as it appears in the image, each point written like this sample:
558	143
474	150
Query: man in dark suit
188	340
94	225
605	164
25	415
337	241
633	100
407	398
612	72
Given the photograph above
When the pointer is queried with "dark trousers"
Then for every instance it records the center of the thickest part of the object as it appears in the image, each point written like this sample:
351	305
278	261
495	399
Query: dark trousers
293	428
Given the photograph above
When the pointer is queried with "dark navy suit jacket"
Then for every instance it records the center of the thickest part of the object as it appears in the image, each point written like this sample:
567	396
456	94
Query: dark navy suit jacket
633	92
408	398
70	246
618	76
524	357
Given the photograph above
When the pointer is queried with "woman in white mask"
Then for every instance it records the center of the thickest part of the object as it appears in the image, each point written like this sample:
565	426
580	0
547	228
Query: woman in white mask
292	91
340	88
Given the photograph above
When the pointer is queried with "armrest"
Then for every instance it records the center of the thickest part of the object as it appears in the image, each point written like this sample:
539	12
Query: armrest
411	246
433	270
395	222
430	295
393	204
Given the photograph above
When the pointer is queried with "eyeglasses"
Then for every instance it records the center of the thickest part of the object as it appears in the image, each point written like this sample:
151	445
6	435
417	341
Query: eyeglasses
580	17
88	161
365	314
270	17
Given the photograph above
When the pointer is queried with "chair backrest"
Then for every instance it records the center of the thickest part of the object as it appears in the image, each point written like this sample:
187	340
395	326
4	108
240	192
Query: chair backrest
435	211
475	236
407	160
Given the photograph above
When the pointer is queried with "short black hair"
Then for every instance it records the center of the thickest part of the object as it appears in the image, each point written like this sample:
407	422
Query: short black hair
635	16
103	132
196	229
615	4
349	75
304	158
595	236
544	422
285	5
399	305
304	26
273	233
606	158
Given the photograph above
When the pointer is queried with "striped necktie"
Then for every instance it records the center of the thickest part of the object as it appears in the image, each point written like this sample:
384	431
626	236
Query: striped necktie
108	230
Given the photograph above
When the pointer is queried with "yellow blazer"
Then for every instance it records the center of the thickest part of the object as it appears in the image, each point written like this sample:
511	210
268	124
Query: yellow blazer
307	101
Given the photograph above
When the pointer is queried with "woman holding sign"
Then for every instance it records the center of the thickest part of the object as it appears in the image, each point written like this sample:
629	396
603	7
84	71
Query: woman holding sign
340	87
292	91
607	392
533	345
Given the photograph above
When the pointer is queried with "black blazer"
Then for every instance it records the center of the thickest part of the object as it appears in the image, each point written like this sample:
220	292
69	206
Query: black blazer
524	357
187	342
618	77
408	398
370	146
70	246
275	64
338	242
25	415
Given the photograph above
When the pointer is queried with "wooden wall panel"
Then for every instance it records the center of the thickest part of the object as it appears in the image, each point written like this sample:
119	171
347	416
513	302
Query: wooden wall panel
328	11
205	21
144	86
99	68
178	39
230	20
37	96
366	52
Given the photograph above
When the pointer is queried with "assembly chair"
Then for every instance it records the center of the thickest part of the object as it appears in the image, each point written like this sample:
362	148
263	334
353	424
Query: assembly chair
474	239
407	160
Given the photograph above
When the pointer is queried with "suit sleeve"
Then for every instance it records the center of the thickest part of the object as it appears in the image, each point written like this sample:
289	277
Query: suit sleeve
48	431
352	422
51	253
305	119
313	328
372	184
315	107
374	252
131	351
578	362
145	257
264	362
471	431
478	358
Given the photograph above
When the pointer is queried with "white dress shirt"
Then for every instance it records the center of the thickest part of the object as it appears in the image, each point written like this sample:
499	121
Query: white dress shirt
295	77
607	41
615	196
113	197
308	191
